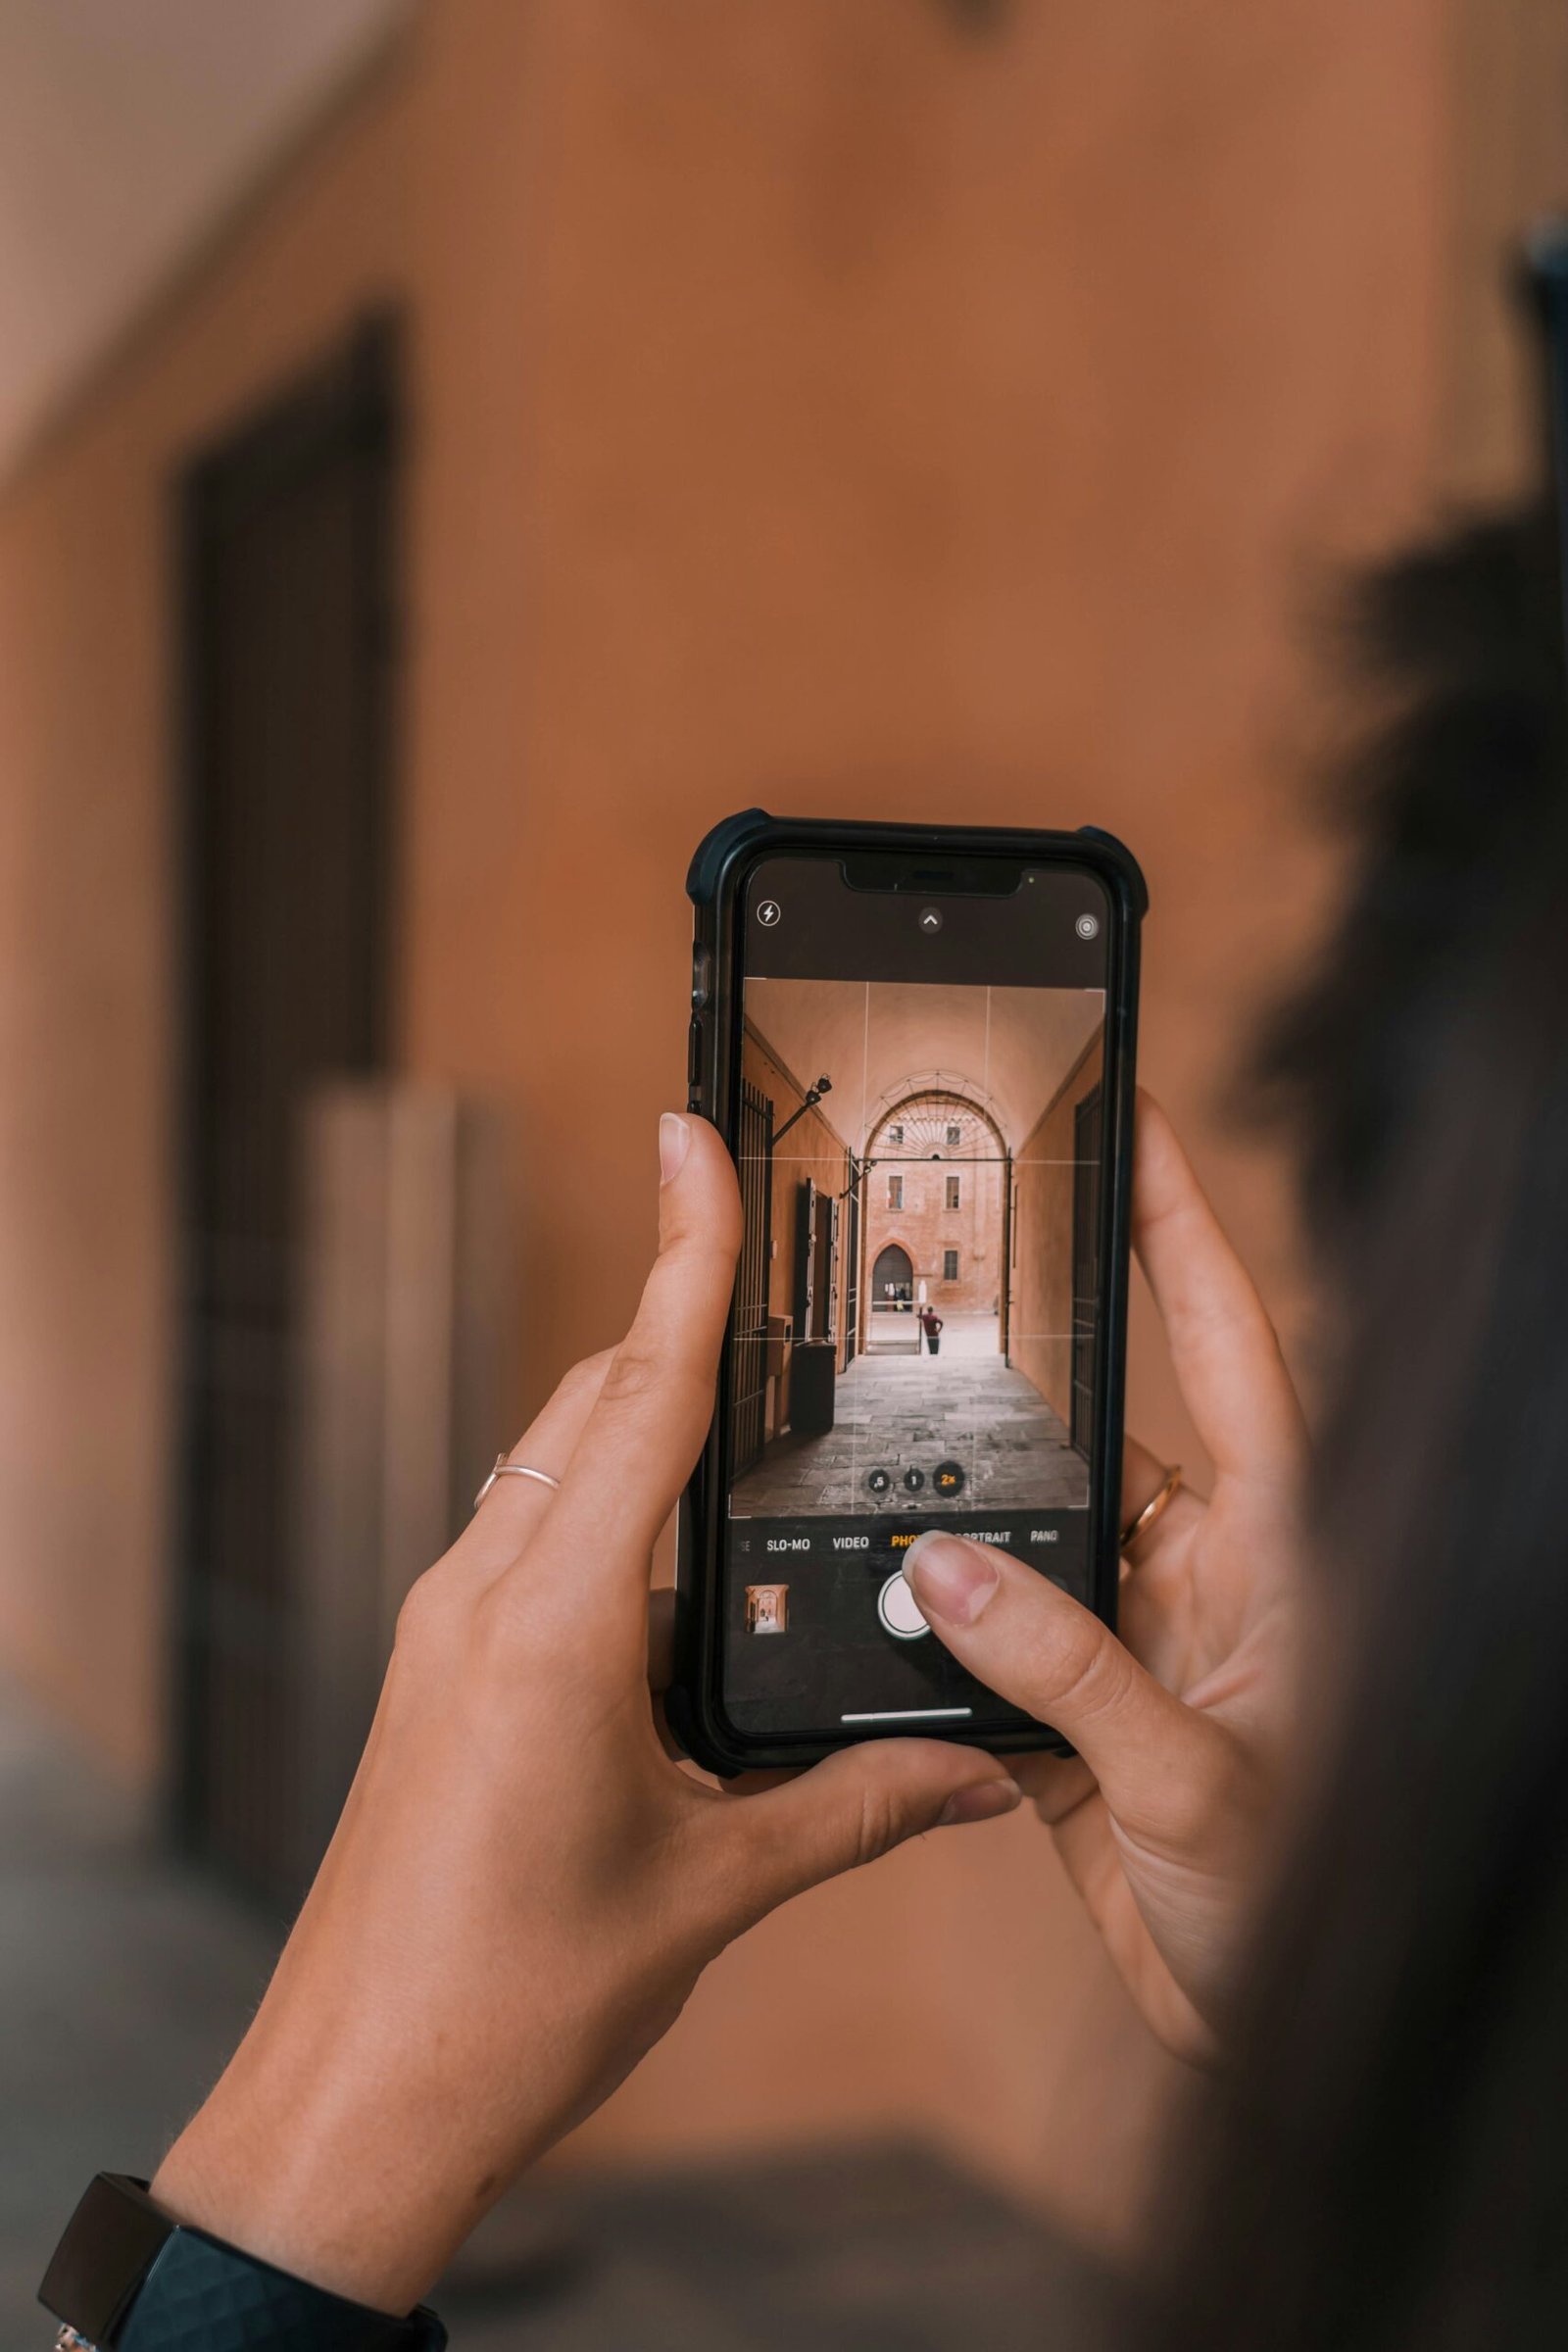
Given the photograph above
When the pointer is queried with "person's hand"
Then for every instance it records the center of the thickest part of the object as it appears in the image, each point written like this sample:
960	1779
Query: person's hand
1180	1724
524	1887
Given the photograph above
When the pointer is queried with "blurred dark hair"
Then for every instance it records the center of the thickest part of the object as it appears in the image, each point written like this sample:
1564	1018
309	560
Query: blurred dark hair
1382	2163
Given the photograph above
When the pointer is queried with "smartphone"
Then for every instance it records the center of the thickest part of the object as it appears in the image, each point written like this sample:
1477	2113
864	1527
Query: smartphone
919	1044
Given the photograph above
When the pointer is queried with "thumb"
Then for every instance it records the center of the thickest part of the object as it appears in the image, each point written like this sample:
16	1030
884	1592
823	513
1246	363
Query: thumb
859	1804
1157	1762
656	1398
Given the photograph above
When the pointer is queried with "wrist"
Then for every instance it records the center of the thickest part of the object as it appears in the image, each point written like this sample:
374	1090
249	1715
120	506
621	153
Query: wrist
344	2200
240	2186
128	2271
360	2131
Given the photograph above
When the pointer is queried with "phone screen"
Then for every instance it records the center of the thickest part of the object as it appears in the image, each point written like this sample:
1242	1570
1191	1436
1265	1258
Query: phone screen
917	1320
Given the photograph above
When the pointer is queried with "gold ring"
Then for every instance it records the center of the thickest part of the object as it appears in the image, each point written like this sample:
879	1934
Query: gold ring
1156	1509
506	1469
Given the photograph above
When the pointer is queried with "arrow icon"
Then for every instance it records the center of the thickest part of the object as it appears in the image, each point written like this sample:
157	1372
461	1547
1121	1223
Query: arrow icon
931	919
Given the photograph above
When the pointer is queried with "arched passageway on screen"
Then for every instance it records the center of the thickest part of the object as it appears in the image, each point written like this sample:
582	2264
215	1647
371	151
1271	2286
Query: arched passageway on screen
914	1307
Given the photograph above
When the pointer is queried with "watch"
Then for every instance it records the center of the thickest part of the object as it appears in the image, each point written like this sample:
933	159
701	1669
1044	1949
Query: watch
126	2276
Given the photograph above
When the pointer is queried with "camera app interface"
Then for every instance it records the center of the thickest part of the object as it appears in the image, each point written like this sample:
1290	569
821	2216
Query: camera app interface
918	1305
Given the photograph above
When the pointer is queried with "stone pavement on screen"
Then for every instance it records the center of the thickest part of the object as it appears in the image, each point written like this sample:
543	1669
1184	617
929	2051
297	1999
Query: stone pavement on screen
898	1413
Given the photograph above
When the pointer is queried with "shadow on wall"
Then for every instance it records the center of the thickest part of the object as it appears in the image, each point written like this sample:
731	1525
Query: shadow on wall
1057	1244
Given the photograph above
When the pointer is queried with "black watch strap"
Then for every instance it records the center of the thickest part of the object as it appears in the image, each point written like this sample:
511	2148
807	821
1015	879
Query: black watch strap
128	2277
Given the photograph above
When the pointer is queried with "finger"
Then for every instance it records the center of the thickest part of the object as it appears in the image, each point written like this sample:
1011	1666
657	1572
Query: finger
1223	1347
856	1806
1033	1645
656	1400
1087	1845
661	1636
1055	1784
1162	1581
663	1733
1143	1475
515	1506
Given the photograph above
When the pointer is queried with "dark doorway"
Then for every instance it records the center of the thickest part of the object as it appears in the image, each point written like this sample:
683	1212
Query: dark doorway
1088	1125
809	1288
287	656
829	1222
753	1277
852	1267
891	1279
1004	1283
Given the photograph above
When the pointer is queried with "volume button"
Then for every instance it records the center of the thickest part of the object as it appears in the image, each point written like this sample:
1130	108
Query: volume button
702	976
694	1056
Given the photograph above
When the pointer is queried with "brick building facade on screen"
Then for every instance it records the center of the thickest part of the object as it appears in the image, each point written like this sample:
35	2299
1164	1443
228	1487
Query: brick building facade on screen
934	1209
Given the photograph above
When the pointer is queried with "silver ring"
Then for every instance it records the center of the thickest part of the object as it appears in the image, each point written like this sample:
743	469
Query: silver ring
506	1469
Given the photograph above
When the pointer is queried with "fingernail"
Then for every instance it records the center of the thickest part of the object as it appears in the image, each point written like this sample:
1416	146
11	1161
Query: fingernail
674	1142
950	1578
982	1800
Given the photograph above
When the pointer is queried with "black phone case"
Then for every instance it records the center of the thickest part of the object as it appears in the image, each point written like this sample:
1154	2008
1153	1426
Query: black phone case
714	883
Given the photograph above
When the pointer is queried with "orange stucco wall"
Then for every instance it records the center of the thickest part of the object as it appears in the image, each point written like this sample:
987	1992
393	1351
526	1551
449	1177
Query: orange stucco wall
822	405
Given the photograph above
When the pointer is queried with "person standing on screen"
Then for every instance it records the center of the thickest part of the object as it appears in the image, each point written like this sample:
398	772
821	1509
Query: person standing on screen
931	1325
